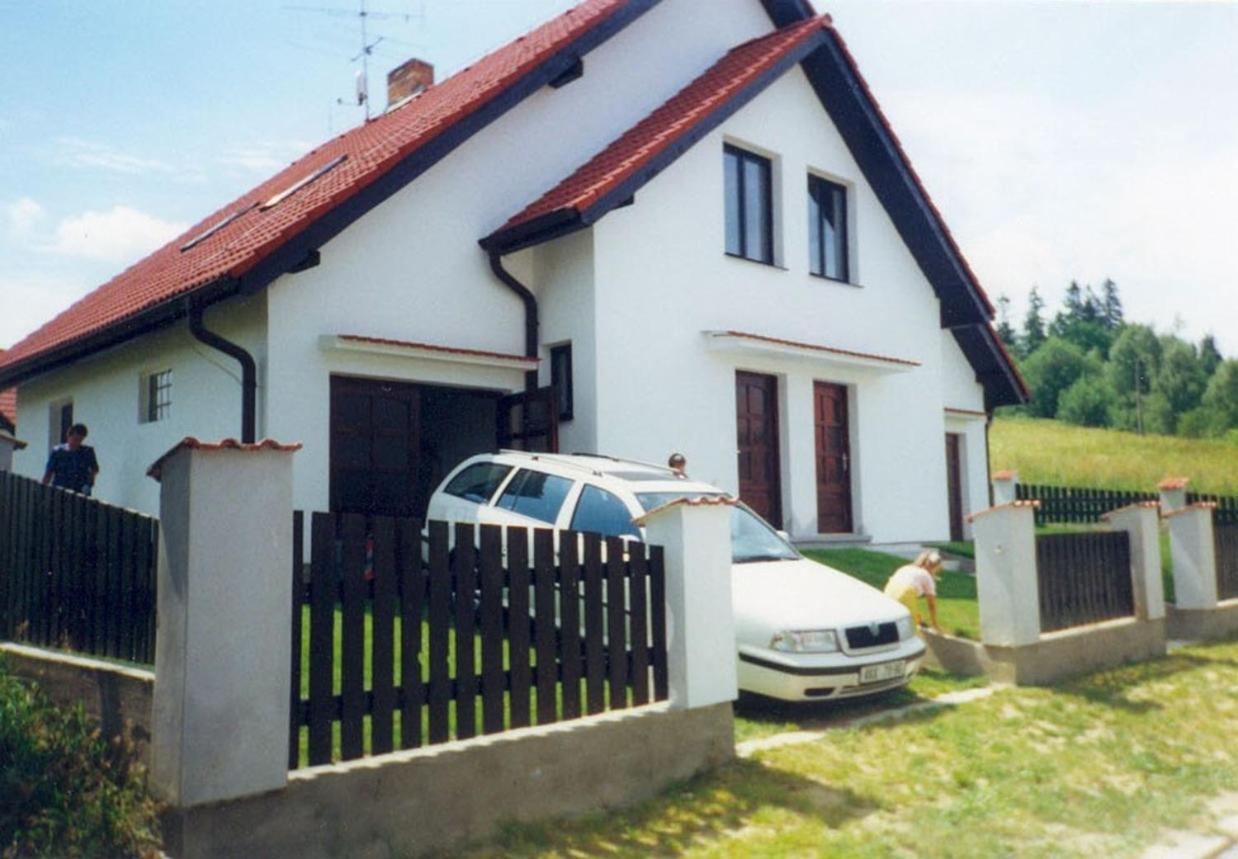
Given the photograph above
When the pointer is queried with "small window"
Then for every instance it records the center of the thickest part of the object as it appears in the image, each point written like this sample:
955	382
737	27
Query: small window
478	482
561	378
827	229
156	396
749	205
536	495
601	512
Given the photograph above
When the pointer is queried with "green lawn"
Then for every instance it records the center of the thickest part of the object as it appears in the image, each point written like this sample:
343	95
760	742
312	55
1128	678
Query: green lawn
1045	451
1096	767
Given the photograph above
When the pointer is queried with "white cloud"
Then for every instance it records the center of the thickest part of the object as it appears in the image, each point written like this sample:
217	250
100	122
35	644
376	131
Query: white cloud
264	156
119	235
31	299
22	216
75	152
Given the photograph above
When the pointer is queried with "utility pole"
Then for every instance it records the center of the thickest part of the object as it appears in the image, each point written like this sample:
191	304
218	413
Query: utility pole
1138	399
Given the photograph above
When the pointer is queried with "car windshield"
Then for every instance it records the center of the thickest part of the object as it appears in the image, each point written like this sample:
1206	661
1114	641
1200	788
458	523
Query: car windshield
752	539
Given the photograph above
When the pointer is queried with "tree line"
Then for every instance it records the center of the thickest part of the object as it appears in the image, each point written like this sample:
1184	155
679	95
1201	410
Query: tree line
1089	366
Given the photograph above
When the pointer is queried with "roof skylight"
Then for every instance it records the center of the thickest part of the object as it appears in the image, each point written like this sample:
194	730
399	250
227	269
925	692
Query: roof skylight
212	230
301	183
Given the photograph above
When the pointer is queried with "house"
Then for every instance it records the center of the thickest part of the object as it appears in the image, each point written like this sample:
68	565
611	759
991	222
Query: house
628	231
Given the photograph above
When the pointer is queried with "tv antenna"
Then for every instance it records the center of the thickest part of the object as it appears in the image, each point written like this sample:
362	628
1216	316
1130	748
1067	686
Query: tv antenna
363	15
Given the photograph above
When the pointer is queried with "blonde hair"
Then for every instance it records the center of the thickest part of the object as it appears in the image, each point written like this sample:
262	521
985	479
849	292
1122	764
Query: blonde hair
929	559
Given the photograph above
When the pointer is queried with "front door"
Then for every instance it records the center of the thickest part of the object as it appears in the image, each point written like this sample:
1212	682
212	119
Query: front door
833	443
756	403
375	446
954	485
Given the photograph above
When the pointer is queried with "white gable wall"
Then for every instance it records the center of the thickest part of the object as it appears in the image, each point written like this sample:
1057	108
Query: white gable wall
661	271
411	268
106	394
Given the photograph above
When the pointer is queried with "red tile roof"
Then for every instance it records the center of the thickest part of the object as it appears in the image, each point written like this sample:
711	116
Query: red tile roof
191	443
372	150
661	129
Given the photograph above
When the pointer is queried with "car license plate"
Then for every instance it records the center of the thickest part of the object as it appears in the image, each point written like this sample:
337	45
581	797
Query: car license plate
885	671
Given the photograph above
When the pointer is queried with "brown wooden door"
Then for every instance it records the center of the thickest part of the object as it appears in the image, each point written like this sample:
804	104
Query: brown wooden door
375	447
833	442
756	403
954	485
530	421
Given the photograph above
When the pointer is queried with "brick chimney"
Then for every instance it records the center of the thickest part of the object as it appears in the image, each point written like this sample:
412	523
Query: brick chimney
407	80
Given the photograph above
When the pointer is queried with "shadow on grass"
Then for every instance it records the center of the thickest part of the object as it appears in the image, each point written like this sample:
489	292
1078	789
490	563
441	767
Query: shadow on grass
708	807
1112	687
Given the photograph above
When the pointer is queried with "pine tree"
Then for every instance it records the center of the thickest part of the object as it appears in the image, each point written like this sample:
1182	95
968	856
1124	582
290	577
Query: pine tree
1033	323
1209	355
1111	305
1005	331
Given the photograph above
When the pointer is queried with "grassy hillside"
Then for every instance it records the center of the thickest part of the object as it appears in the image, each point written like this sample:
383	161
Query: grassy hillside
1046	451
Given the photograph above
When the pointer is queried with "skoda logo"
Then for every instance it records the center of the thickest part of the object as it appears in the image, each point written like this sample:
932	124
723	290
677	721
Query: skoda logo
874	628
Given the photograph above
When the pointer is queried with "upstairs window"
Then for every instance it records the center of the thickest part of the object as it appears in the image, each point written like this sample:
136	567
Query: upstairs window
827	229
156	396
749	205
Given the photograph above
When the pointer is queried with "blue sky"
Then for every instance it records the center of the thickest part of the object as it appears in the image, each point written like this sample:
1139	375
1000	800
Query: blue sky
1060	140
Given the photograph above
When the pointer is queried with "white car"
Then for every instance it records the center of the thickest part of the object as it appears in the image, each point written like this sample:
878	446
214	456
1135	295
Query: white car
804	631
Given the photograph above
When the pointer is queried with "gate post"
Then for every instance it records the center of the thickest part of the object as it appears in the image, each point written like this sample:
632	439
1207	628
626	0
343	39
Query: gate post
1007	585
696	538
1005	487
223	645
1194	552
1173	493
1142	524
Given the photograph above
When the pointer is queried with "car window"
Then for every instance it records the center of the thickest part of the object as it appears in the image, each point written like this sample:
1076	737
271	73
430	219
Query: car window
477	482
603	513
754	540
536	495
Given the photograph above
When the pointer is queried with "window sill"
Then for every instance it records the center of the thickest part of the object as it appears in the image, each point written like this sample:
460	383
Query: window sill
835	280
772	265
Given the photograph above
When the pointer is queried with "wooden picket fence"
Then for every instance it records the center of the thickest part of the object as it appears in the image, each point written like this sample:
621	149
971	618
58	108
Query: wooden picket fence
1226	542
390	650
76	573
1084	505
1084	578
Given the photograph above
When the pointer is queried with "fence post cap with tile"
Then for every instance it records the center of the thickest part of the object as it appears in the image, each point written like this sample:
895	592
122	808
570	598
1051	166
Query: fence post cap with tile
1173	492
1005	486
223	642
1192	545
1006	580
695	534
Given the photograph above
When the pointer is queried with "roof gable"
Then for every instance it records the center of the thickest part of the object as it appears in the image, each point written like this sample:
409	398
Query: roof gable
245	245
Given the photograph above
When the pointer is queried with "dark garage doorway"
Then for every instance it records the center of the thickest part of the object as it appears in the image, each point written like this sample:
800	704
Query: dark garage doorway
393	442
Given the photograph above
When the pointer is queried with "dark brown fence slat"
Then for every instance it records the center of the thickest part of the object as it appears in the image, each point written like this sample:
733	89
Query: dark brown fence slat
412	604
491	629
657	622
298	600
1225	539
382	660
544	623
616	636
519	625
464	570
352	639
639	620
128	574
572	658
1083	578
440	629
322	637
115	561
595	666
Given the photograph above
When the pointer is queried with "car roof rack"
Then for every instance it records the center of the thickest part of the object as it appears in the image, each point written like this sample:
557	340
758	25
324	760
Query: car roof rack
606	456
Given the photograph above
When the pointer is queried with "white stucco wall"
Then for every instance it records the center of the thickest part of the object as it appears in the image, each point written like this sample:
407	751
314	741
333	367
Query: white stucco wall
106	395
661	271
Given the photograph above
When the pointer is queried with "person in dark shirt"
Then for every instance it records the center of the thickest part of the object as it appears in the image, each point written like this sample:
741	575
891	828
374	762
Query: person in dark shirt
72	465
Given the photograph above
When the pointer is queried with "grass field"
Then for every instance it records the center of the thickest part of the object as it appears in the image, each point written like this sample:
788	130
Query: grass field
1101	766
1045	451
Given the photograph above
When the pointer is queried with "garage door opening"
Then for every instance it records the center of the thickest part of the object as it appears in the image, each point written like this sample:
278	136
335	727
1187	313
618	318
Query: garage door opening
393	442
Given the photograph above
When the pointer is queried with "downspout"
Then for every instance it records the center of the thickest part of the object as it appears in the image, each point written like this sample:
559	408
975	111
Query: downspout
530	313
249	370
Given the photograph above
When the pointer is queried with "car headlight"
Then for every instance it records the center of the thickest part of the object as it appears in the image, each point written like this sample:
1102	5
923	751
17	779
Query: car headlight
805	641
906	628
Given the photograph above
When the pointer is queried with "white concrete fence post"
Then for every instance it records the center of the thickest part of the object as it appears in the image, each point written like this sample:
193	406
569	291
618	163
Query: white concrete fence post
1173	493
1005	487
1194	554
1006	580
696	539
1142	523
8	444
220	714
